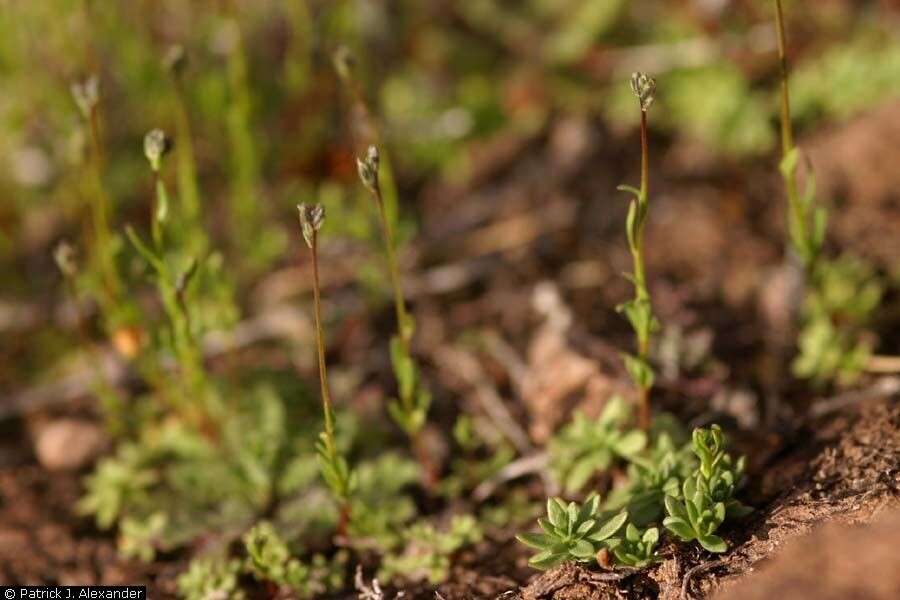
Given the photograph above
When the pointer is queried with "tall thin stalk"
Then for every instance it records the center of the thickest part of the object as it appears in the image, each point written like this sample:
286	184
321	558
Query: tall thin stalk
411	410
188	188
805	222
333	465
87	97
639	310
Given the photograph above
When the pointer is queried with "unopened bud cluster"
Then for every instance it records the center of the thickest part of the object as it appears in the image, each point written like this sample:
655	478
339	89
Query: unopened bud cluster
174	59
312	216
644	87
64	255
156	145
368	169
86	94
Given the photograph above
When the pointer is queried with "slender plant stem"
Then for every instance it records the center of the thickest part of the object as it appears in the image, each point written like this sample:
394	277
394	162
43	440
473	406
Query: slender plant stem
100	212
390	250
797	214
639	269
429	474
188	191
320	346
345	510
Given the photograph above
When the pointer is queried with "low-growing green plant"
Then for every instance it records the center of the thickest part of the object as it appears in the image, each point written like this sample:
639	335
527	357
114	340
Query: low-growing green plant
380	505
211	577
653	475
334	467
425	552
708	495
639	310
832	344
411	408
269	559
586	446
572	532
636	548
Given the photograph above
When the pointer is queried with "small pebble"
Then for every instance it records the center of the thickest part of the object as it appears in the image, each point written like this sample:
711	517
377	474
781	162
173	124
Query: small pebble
68	444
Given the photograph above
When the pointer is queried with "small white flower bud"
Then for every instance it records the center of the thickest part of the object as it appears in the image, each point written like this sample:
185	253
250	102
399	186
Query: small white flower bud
156	145
86	94
368	168
312	216
174	59
644	87
64	255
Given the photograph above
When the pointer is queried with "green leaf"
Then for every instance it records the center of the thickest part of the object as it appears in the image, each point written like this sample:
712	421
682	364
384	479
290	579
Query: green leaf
713	543
610	527
556	510
675	508
546	559
547	526
632	534
631	443
631	226
582	549
639	371
680	528
585	527
536	540
630	189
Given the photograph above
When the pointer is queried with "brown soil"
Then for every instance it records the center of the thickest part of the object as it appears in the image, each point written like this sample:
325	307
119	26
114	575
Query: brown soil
44	541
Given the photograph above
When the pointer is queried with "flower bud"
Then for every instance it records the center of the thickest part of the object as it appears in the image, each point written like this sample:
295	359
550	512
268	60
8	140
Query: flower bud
312	216
86	94
175	59
156	145
644	87
64	255
368	169
343	61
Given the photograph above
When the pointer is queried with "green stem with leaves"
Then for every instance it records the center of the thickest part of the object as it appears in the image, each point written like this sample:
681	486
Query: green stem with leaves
639	310
805	222
414	400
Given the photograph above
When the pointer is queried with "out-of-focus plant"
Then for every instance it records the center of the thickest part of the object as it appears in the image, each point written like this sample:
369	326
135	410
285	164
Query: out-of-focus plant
425	551
211	577
841	294
173	277
411	408
652	475
255	243
639	310
832	342
103	249
269	559
586	446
